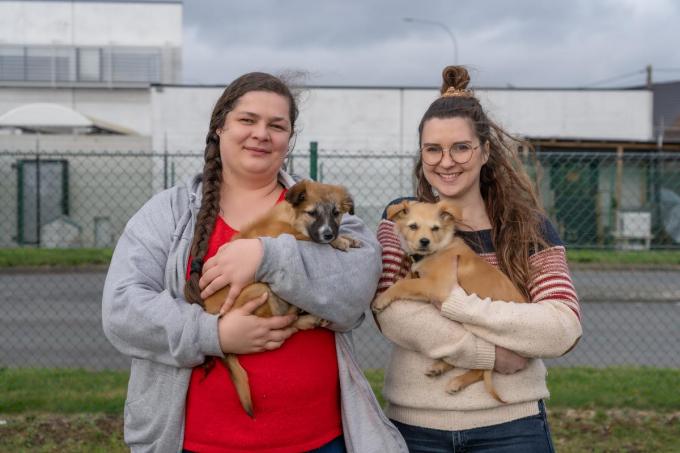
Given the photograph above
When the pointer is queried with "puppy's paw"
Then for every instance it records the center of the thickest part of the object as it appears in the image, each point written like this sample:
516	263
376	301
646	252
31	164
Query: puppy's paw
380	303
307	322
353	243
454	386
438	368
433	372
344	243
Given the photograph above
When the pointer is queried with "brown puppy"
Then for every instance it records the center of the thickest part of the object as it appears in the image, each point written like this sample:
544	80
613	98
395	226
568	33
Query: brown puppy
311	212
427	234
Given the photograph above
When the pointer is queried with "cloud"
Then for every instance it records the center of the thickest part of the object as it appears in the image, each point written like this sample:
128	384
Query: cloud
519	43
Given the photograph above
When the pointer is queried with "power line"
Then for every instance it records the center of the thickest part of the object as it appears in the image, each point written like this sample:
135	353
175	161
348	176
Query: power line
618	77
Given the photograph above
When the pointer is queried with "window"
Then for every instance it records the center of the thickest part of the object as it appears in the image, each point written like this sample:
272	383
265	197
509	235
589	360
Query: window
132	65
89	65
12	63
80	64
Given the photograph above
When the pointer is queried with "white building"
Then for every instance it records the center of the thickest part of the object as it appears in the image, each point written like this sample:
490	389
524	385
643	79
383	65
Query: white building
95	57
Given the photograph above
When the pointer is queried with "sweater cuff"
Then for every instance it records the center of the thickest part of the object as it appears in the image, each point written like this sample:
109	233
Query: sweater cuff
454	305
209	338
485	358
267	265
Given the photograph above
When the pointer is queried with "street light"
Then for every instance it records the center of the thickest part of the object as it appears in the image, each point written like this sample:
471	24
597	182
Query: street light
444	27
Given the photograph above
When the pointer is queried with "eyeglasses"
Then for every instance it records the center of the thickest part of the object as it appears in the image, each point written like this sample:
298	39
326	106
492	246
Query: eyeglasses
460	153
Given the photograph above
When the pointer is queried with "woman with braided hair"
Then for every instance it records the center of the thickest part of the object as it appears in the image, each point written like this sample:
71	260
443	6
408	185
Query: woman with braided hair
471	162
309	394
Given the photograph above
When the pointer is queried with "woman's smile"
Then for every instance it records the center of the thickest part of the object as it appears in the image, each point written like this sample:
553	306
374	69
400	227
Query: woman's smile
257	150
448	177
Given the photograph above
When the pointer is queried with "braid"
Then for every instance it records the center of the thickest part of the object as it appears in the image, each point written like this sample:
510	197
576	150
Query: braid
212	167
205	222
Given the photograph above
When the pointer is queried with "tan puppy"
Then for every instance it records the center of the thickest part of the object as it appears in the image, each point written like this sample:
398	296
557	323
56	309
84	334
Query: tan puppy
427	234
311	212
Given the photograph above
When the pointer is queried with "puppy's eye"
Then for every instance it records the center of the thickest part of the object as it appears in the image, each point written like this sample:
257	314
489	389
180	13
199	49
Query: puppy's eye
413	226
435	228
311	213
336	212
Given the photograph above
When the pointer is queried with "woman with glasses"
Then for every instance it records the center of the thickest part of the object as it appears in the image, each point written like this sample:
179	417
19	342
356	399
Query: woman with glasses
470	161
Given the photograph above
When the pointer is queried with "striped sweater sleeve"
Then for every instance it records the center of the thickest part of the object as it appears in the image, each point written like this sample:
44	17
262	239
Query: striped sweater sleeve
403	320
395	266
549	326
552	280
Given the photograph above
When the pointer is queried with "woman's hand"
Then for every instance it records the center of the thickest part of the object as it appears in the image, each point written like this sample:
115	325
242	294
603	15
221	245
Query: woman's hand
242	332
508	362
235	264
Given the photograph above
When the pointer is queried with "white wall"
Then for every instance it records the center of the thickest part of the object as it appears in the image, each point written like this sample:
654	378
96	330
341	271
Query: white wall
584	114
180	117
386	119
130	108
90	23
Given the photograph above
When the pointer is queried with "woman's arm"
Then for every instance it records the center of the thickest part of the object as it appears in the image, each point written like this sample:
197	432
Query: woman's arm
548	327
418	326
335	285
139	315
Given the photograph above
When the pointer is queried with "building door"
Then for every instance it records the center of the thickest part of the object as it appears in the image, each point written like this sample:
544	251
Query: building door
43	196
574	182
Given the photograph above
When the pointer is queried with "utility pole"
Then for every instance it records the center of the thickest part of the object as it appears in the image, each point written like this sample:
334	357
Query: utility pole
649	76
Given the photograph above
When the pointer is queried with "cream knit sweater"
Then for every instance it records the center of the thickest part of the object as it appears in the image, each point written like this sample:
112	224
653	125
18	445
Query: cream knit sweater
464	333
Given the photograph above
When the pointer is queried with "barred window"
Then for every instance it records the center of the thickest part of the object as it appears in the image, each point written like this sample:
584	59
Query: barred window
79	64
12	63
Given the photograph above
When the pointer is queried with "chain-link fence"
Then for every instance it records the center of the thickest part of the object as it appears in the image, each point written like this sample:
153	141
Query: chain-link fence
619	211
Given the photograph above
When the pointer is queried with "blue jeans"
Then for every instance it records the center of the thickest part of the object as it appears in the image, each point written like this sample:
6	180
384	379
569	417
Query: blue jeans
524	435
337	445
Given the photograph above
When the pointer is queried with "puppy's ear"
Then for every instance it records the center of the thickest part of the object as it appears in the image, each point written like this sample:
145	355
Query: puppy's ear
297	193
348	204
397	210
448	212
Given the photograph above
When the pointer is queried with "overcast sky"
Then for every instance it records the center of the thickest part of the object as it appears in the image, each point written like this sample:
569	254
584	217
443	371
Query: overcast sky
522	43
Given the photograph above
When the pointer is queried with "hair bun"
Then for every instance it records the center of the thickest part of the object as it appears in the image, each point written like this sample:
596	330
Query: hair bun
455	77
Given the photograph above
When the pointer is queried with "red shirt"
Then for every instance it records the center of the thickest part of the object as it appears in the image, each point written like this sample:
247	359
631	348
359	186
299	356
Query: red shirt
295	391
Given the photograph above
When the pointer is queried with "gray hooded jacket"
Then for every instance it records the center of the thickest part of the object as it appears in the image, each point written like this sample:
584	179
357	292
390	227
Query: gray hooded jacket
145	316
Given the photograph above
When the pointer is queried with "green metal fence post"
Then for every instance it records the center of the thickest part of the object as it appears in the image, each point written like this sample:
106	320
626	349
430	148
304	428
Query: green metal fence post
313	160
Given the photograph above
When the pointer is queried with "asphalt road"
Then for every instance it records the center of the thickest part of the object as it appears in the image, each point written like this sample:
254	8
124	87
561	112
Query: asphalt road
54	320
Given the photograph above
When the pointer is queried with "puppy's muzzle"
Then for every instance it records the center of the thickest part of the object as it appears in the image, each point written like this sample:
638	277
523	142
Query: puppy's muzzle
423	246
326	234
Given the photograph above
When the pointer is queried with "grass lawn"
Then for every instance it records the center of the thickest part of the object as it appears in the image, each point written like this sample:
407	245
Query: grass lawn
595	410
30	257
624	258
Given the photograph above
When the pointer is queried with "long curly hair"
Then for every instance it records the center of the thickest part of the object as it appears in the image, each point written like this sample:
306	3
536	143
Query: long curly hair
212	167
510	198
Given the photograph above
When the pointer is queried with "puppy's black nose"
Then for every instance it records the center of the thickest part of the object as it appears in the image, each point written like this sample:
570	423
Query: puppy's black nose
327	236
424	241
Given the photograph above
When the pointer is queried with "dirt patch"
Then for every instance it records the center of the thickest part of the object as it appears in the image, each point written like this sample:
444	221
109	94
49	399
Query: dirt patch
61	432
573	430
